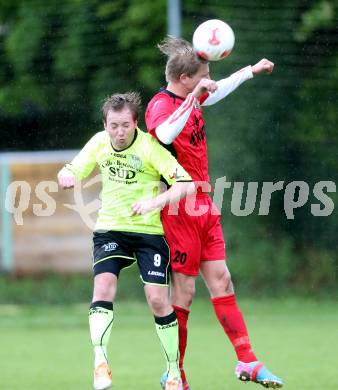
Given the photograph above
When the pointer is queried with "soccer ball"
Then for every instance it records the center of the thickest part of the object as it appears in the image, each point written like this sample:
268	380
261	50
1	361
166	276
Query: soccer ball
213	40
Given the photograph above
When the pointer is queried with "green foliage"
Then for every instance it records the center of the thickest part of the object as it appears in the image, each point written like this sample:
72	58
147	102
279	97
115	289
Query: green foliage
71	53
262	265
23	47
22	93
74	54
322	14
23	52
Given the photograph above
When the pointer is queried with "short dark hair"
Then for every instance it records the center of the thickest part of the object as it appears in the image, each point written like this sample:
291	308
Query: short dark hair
182	58
118	101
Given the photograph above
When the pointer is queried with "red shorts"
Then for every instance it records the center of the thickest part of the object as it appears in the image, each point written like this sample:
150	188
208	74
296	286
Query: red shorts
194	234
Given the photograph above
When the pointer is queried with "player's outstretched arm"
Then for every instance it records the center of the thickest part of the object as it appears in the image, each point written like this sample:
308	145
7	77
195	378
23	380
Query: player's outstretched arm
176	192
66	178
229	84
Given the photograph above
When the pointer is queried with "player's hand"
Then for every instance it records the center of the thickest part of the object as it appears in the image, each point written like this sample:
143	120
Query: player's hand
263	66
203	86
143	207
66	178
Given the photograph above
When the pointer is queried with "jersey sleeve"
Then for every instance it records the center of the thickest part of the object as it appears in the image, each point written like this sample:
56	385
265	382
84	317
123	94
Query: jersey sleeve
228	85
166	164
84	162
169	127
157	112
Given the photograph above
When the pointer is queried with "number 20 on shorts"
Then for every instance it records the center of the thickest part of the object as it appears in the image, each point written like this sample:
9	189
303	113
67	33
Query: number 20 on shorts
180	257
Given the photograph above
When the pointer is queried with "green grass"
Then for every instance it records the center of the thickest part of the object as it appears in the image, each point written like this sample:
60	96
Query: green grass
45	347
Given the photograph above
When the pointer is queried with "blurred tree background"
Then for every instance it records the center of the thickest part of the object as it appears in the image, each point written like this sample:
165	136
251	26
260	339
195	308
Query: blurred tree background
60	59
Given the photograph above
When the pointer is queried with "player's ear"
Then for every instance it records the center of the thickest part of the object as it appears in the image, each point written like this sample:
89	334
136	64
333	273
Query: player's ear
184	78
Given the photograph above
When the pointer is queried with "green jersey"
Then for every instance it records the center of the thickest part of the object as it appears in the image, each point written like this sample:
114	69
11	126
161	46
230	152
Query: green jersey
127	176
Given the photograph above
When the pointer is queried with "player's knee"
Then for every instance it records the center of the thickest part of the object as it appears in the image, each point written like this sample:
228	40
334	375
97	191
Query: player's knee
221	284
104	290
103	293
229	287
226	276
158	304
190	293
226	282
183	296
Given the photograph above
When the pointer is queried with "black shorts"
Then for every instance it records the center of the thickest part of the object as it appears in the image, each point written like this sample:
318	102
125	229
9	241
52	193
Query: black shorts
113	251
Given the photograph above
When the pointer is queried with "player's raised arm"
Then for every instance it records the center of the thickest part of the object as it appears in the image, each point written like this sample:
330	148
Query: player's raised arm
168	130
229	84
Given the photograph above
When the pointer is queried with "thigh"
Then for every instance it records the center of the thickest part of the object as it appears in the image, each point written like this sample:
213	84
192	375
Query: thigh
152	254
183	235
111	253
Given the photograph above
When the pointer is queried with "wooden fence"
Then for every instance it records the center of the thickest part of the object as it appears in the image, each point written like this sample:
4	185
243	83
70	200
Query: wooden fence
44	228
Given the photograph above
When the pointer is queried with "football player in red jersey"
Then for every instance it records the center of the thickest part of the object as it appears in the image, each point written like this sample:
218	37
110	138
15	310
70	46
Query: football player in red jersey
174	116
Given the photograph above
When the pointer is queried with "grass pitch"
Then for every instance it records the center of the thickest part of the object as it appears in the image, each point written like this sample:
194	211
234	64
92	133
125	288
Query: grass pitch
44	347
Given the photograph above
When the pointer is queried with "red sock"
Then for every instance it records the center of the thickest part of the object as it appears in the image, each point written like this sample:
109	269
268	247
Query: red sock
182	319
232	320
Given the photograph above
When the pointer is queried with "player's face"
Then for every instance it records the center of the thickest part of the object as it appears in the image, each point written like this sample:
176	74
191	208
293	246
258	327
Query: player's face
120	126
203	73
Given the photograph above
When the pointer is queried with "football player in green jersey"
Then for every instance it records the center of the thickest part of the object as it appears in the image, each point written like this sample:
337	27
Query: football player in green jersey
128	228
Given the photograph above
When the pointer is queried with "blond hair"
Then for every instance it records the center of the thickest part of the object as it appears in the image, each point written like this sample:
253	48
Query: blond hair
182	58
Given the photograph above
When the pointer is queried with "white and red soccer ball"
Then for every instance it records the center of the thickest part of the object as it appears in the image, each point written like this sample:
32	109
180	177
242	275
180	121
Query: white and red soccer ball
213	40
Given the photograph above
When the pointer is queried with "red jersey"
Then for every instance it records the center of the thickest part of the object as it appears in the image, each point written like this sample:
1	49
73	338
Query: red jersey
190	146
